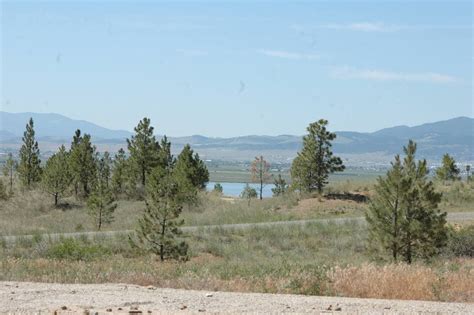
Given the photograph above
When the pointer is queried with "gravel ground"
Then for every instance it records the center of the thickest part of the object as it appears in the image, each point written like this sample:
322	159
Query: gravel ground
47	298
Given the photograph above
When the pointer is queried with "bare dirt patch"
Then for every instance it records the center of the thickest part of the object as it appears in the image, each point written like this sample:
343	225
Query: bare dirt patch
25	297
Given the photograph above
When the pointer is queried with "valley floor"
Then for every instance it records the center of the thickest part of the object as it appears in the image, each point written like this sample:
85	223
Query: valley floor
26	297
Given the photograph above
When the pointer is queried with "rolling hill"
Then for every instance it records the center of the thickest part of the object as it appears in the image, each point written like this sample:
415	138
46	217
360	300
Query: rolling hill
455	136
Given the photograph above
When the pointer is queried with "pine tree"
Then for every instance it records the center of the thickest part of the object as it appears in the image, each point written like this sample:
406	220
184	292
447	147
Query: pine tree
468	172
101	204
144	150
448	170
9	171
192	173
104	167
218	188
403	215
280	186
29	168
119	173
248	193
57	175
83	163
311	168
192	168
158	229
260	170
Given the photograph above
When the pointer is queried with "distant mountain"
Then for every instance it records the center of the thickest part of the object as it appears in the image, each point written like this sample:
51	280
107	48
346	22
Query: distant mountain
454	136
53	126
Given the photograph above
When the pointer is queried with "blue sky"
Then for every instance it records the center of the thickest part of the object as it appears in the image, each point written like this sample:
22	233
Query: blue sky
237	68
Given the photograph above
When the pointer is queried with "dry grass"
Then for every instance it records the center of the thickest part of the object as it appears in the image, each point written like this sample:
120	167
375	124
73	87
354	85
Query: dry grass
405	282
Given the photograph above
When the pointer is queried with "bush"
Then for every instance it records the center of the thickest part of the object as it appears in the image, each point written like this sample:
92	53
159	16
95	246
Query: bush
72	249
461	242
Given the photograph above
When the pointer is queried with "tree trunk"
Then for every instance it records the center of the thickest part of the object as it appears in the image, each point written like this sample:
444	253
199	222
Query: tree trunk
261	188
56	199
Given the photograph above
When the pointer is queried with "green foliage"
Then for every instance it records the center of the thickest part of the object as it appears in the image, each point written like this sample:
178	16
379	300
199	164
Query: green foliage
104	169
72	249
101	203
260	170
461	242
119	173
83	163
9	170
248	193
56	174
403	215
218	188
158	229
280	188
311	168
448	170
192	174
144	151
29	168
191	168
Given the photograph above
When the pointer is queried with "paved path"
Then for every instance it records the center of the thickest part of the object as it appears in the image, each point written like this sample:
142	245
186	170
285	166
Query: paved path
452	217
24	297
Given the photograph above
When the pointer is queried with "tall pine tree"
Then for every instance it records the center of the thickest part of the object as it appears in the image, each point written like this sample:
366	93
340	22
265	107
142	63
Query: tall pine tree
29	169
144	150
57	175
311	168
83	163
403	215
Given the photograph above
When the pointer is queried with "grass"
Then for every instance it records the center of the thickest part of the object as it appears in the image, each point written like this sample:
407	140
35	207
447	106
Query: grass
313	259
30	212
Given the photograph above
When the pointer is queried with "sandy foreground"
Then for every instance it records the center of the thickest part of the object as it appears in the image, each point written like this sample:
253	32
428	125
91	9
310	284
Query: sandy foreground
51	298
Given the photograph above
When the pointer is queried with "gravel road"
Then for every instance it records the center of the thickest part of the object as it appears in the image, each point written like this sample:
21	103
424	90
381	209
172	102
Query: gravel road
452	217
27	298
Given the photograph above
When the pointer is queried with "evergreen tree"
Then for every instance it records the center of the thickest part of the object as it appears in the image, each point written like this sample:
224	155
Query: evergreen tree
311	168
248	193
9	170
29	168
403	215
218	188
83	163
57	175
448	170
104	168
119	174
159	227
260	170
190	167
280	186
101	202
468	172
144	150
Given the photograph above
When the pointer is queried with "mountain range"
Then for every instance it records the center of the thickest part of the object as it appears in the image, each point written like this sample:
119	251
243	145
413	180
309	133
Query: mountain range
454	136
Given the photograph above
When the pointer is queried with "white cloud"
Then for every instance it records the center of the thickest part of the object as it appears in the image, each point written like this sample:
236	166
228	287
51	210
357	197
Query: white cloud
382	75
288	54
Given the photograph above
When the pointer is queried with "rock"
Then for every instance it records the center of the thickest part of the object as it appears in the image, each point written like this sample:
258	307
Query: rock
183	307
150	287
108	310
209	295
135	312
64	308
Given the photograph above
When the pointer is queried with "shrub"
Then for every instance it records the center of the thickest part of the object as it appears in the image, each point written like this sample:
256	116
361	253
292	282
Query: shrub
461	242
72	249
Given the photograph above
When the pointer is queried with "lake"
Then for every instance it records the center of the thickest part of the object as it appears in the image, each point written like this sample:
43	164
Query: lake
234	189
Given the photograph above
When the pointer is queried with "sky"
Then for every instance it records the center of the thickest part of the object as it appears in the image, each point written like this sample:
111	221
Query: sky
237	68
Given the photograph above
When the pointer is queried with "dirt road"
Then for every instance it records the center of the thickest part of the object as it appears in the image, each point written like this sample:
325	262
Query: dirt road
23	297
452	217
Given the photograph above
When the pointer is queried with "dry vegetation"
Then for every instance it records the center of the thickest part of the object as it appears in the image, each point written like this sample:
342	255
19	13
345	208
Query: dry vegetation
313	259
